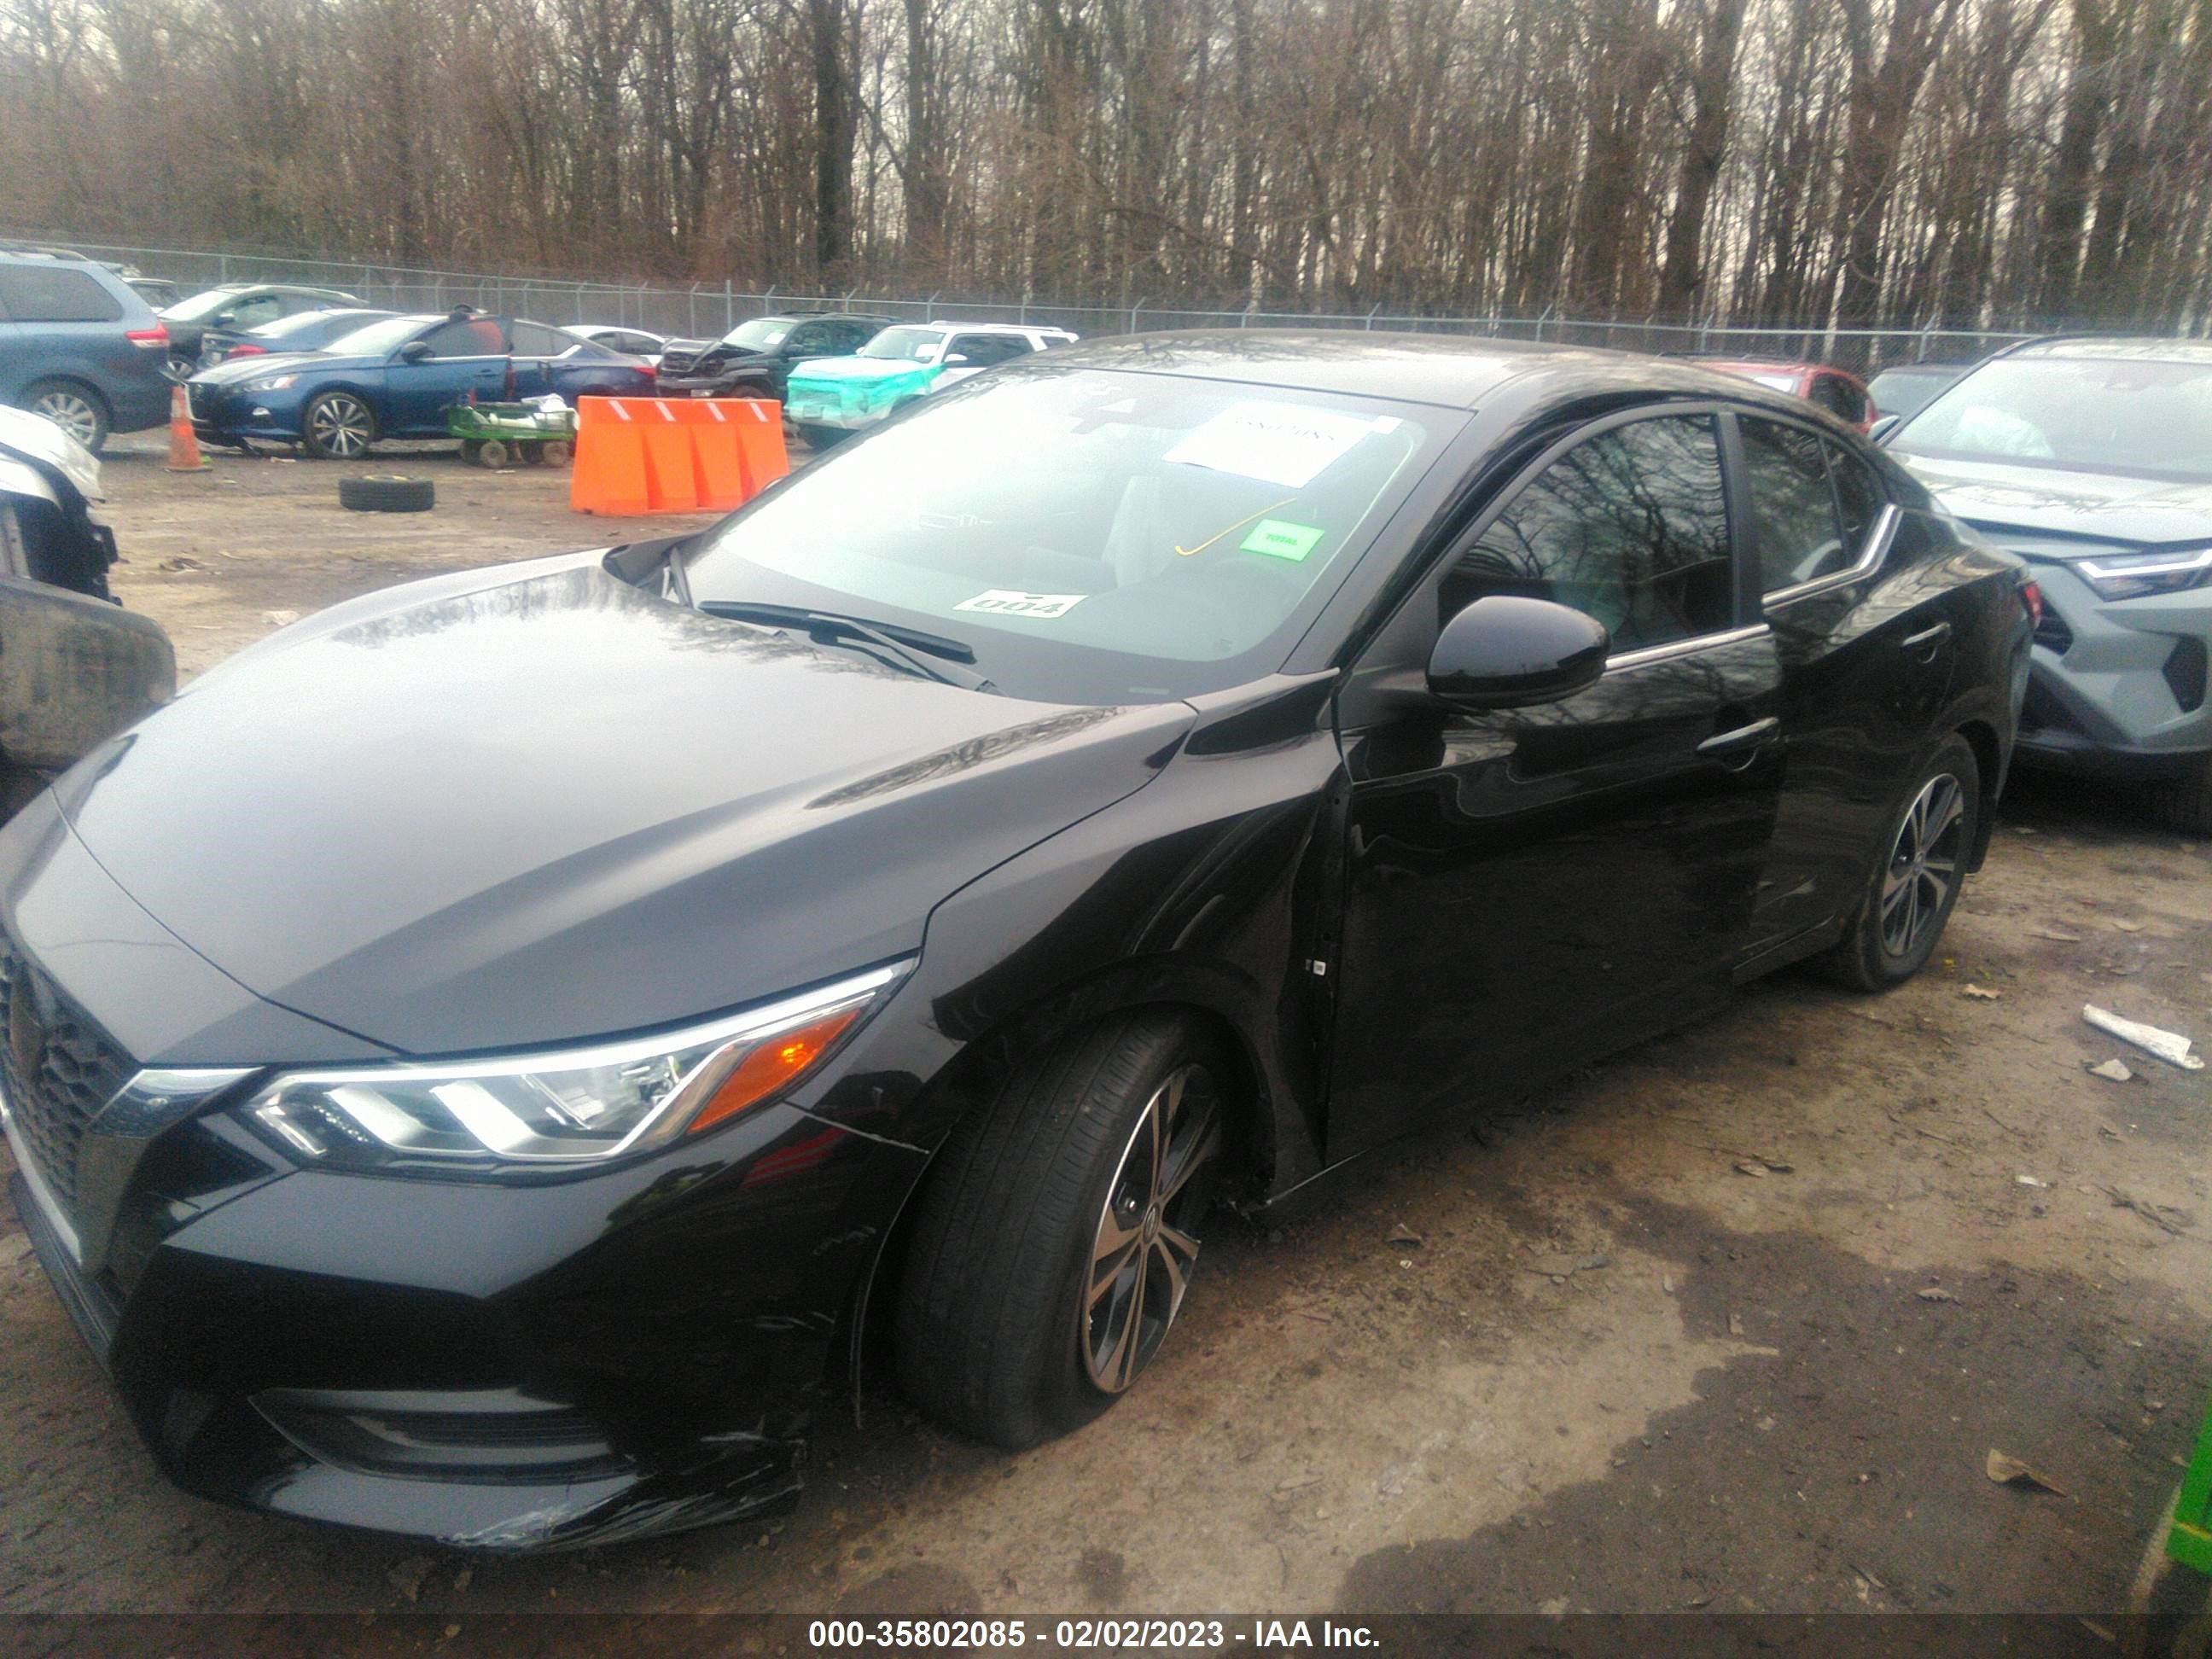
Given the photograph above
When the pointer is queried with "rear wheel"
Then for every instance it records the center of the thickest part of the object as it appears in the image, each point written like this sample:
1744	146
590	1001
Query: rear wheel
75	408
1055	1243
1915	884
2184	803
337	427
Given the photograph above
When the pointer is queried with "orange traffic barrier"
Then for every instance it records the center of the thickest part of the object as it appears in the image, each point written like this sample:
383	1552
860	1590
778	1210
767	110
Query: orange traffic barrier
641	455
184	443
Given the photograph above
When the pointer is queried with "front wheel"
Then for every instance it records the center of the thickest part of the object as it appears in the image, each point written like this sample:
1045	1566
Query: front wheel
819	438
2183	803
337	427
1915	884
1056	1239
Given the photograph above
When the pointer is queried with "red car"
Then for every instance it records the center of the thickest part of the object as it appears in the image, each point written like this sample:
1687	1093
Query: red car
1843	395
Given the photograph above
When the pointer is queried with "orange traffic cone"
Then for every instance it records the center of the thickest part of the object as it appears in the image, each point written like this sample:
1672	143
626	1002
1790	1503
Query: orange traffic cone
184	443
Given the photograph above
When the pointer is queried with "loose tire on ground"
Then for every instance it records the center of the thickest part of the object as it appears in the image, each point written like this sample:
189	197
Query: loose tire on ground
1052	1245
388	492
1931	833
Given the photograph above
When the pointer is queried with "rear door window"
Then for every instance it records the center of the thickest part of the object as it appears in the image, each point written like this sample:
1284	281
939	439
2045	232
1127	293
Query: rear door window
537	340
55	294
1859	496
1793	505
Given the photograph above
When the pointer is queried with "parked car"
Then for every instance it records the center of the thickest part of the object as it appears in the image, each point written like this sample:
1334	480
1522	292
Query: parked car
78	347
1906	389
631	342
238	306
2092	458
75	667
533	997
396	378
754	359
156	291
834	396
303	331
1838	390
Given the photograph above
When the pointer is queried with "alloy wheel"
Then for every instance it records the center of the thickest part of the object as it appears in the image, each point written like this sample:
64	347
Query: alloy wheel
1146	1245
72	411
1923	866
340	426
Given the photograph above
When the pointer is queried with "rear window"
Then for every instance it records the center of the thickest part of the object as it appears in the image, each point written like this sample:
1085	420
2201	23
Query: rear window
56	293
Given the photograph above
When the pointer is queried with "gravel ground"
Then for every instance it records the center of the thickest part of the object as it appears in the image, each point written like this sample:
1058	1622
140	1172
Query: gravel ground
1729	1323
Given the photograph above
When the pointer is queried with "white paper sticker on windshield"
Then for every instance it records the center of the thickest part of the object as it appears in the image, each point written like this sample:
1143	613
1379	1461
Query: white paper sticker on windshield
1281	444
1005	602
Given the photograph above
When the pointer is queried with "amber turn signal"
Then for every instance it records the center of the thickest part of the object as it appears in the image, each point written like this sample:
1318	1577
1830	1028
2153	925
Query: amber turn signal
775	1062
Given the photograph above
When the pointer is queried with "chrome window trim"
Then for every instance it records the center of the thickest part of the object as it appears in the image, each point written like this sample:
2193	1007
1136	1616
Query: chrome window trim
1877	549
1690	647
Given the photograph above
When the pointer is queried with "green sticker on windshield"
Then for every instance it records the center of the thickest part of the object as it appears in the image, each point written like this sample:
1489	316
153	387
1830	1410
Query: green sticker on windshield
1279	539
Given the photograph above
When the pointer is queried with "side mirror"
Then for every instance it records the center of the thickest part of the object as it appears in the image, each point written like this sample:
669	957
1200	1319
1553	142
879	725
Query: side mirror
222	318
1883	426
1507	652
414	351
953	360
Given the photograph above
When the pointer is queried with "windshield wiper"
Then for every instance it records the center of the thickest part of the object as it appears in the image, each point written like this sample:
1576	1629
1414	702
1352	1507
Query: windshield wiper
905	645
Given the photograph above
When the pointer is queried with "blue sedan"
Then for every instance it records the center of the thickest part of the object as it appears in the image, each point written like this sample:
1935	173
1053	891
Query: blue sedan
397	378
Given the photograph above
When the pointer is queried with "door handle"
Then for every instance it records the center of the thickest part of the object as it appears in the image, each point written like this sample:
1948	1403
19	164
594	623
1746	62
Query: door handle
1741	737
1926	639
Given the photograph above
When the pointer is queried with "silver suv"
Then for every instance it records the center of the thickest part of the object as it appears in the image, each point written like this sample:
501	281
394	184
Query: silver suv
2092	458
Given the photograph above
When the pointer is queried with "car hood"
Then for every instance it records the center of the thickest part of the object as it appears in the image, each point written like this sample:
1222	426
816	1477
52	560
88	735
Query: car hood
859	369
2000	499
279	362
533	806
37	440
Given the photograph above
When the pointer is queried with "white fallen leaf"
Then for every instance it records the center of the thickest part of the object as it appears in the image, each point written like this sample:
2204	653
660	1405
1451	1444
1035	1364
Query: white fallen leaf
2112	1071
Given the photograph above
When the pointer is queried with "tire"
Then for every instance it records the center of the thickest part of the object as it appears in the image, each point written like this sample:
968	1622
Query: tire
819	438
996	1336
386	492
2184	803
1920	866
492	453
337	426
181	367
73	406
557	452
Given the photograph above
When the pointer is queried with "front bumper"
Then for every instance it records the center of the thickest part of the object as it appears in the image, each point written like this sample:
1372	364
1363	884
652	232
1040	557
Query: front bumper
848	408
487	1365
224	414
2116	688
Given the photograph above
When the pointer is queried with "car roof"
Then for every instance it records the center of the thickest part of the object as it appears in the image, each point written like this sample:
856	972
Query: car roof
2149	347
1952	370
1451	370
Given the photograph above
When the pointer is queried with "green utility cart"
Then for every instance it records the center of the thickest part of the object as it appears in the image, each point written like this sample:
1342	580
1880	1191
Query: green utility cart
498	435
2189	1542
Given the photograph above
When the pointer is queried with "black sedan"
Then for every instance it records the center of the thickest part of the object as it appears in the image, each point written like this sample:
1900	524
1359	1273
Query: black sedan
475	1059
756	358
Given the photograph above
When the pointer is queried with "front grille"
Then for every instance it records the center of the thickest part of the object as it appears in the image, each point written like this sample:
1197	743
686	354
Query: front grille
57	1068
2052	631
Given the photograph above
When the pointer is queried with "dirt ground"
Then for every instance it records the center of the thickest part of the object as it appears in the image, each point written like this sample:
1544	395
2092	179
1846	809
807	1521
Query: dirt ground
1731	1323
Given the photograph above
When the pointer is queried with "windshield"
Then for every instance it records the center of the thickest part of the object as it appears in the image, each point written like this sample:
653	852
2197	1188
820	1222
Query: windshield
1094	536
202	305
915	345
305	322
2140	417
761	334
378	339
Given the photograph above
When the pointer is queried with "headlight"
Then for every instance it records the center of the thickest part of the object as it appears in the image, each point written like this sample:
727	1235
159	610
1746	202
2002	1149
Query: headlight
274	383
2131	575
582	1106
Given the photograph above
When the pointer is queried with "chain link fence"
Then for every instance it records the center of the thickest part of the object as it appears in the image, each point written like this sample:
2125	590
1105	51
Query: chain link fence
705	310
